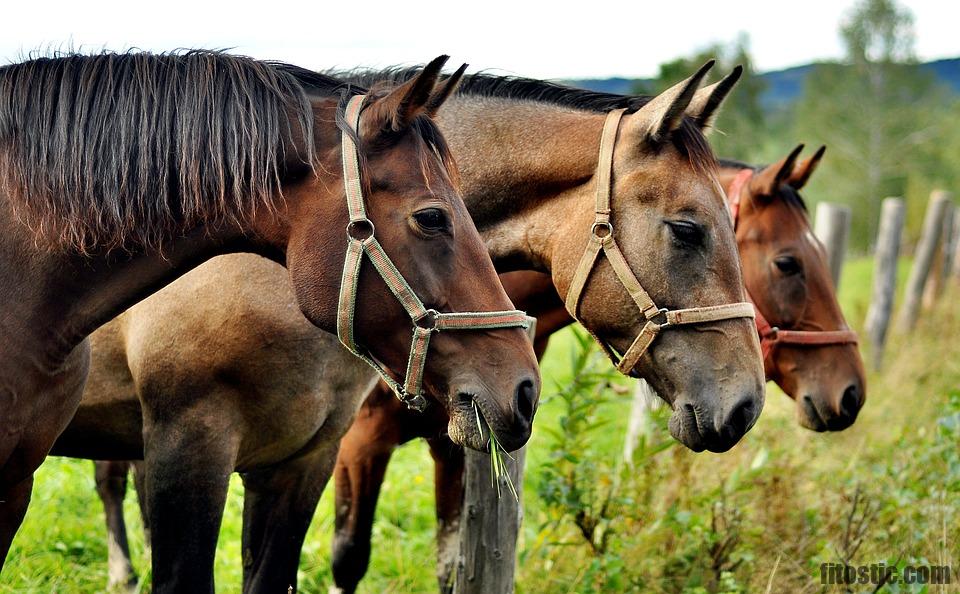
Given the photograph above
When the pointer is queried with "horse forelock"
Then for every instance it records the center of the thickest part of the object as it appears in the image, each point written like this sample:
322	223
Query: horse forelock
786	194
429	141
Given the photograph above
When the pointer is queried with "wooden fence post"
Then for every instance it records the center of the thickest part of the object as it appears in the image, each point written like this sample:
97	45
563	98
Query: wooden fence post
942	260
950	244
892	214
489	526
832	225
955	260
923	260
644	400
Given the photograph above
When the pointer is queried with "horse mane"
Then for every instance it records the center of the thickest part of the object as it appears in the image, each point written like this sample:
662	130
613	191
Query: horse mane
127	149
687	138
787	193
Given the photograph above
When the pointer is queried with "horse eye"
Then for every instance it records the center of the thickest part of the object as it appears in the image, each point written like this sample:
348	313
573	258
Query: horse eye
687	232
431	219
788	265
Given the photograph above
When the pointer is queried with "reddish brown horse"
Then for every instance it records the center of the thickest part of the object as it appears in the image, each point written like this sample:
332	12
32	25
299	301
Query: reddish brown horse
666	202
785	272
119	173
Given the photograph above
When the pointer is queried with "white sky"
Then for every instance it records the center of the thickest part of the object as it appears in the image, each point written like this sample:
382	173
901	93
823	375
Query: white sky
539	39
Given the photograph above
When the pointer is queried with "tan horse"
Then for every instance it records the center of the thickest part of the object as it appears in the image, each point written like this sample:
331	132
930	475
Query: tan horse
119	173
665	191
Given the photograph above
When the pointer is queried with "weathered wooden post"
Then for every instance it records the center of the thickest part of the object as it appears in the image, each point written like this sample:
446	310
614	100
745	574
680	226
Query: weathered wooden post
490	521
892	214
955	260
950	244
489	526
644	401
832	226
923	260
940	269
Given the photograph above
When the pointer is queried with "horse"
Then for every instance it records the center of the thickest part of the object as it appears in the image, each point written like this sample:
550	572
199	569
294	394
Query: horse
121	172
665	188
787	277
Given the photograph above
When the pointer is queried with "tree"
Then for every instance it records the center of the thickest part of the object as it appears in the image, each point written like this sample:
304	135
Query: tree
877	112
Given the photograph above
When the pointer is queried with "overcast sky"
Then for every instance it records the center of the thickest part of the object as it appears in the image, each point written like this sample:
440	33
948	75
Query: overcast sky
539	39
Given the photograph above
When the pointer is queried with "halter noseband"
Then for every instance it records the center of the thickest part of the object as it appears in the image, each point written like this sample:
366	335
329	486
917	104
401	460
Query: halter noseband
602	238
360	242
770	335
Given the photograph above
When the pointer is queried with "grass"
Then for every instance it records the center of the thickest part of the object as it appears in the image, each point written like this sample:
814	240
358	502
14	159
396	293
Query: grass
498	471
767	512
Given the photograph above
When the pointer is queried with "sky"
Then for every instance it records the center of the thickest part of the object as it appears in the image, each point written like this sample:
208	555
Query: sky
537	39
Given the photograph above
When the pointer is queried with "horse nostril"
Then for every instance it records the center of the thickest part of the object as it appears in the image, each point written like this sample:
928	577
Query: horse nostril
526	401
850	403
741	418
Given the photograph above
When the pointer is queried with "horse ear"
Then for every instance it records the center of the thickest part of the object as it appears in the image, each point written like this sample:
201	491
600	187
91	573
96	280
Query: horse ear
803	171
706	102
664	113
440	95
771	177
397	110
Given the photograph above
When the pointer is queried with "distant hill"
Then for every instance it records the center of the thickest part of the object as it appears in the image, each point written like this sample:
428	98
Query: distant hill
947	71
783	86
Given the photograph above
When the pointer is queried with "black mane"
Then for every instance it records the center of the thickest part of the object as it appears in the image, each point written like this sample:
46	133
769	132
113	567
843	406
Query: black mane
688	138
511	87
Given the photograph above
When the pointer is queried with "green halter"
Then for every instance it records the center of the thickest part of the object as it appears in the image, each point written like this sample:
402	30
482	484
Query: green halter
360	242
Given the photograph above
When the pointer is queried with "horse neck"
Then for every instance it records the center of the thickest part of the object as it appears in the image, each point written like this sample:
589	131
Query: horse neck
523	165
53	300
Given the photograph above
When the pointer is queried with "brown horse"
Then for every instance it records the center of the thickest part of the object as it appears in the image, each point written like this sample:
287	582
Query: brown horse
785	271
665	189
119	173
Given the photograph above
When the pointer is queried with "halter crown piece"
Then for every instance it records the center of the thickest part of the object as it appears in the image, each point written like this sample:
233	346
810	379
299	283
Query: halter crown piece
360	242
602	239
770	335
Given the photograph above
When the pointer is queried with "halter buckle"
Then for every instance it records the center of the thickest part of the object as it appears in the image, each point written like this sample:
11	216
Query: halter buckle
361	229
661	315
597	225
430	320
414	402
773	334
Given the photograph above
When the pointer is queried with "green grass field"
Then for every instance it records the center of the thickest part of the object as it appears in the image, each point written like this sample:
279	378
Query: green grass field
760	518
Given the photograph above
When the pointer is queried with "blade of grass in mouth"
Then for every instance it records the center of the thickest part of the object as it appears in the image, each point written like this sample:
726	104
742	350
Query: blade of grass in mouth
497	467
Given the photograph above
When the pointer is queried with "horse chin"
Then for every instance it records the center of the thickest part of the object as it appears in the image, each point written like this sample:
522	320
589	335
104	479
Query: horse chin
683	428
464	431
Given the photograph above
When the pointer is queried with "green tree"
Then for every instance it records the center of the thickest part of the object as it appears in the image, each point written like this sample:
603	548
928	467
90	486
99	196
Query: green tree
878	113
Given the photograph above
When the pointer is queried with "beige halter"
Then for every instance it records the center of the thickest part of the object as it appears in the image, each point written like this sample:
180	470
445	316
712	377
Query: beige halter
601	238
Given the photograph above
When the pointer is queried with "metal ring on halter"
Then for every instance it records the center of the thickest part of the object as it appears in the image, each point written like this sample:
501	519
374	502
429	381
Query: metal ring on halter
774	333
600	224
662	314
432	316
358	226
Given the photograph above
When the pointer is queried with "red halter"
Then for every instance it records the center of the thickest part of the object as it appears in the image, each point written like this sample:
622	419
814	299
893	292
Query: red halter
771	336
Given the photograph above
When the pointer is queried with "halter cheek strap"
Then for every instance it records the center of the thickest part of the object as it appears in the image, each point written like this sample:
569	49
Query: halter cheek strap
602	240
736	191
361	241
770	335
